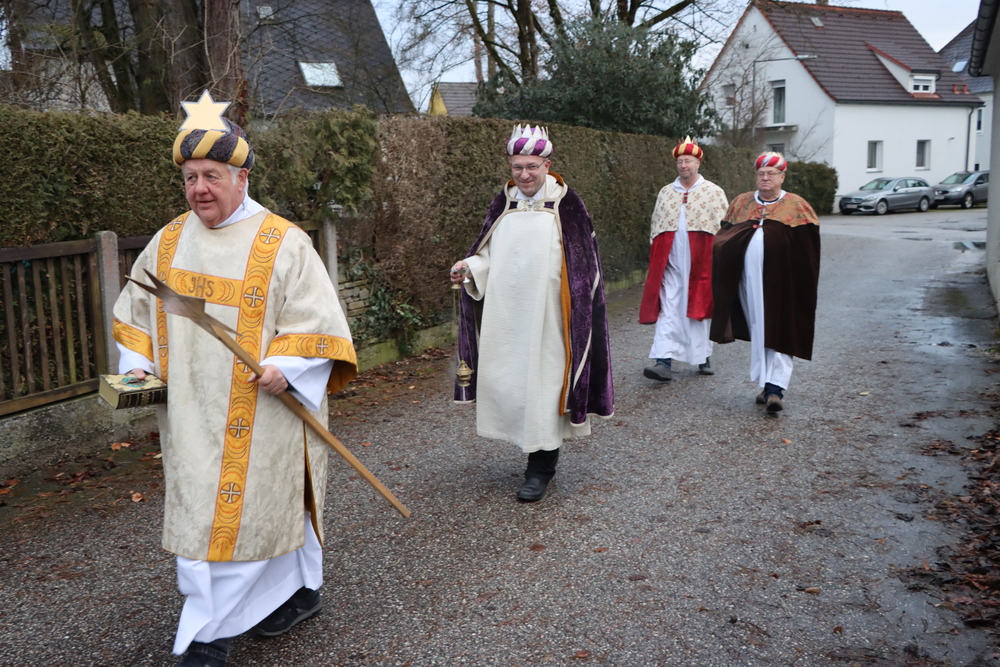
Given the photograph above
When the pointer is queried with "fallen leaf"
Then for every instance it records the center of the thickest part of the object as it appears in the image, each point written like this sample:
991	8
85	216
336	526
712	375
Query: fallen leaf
536	547
838	630
118	445
158	455
601	550
864	393
637	577
786	441
413	386
3	491
137	497
366	444
812	590
926	566
581	655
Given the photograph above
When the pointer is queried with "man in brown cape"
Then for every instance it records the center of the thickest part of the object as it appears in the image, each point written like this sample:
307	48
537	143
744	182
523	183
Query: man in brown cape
765	273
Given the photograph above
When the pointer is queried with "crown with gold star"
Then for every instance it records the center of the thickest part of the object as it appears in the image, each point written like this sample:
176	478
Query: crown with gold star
205	134
688	147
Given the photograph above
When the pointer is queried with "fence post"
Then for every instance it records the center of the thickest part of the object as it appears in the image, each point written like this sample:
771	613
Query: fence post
328	244
110	282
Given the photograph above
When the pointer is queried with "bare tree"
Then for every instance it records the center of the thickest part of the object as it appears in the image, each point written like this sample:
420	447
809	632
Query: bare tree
515	34
742	99
141	55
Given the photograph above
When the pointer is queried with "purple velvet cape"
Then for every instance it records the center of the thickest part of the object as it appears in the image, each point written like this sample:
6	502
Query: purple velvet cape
593	391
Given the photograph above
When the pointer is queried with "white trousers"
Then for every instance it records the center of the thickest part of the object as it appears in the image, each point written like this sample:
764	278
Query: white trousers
225	599
677	336
766	365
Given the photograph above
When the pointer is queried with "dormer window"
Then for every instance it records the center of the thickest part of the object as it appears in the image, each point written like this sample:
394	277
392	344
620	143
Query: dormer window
920	83
320	75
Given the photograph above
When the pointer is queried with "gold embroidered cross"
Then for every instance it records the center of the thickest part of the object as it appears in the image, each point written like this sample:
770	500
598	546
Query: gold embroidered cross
253	296
239	427
229	492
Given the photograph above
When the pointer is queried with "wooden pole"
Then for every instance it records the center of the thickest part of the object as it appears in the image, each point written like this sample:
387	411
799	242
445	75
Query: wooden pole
306	416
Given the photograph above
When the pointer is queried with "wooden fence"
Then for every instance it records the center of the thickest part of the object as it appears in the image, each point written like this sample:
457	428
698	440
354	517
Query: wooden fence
53	328
56	304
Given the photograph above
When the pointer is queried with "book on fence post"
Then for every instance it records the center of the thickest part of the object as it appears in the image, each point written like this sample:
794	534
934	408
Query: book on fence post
128	391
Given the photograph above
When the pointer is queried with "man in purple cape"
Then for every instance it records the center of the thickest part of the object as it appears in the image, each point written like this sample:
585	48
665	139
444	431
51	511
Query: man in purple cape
533	325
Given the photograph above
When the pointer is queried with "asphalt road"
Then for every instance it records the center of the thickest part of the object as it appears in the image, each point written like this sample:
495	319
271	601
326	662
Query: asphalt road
691	529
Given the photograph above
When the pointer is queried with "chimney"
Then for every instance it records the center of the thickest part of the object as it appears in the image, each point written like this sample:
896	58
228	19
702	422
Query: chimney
965	88
822	3
954	89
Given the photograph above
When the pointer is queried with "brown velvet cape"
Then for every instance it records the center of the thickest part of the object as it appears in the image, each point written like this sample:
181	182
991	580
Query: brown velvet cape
791	273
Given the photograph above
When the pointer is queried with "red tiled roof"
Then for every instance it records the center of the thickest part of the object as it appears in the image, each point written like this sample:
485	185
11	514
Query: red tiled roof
847	66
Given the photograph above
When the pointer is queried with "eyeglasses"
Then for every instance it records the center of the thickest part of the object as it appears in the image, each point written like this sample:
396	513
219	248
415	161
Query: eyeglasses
530	168
687	161
769	174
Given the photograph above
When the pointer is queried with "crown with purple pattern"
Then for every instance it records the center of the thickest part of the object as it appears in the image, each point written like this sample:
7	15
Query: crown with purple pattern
528	141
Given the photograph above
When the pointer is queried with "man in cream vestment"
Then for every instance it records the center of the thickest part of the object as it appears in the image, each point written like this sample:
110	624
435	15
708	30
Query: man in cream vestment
678	294
533	326
245	479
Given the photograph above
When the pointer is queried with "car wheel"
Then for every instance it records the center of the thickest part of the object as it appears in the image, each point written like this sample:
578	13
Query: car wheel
881	207
967	200
923	205
844	211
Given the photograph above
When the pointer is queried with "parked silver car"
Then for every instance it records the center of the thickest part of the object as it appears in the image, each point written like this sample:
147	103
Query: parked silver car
965	188
888	194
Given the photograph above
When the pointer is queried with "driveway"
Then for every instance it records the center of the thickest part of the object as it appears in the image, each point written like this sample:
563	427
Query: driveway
691	529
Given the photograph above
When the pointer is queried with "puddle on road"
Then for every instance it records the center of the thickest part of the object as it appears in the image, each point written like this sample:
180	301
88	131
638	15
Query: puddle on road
967	246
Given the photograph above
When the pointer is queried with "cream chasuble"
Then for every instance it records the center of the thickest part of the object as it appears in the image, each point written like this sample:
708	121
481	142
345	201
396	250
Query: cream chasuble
236	461
522	349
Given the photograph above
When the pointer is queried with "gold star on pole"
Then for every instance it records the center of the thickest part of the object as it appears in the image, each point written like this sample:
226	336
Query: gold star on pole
205	114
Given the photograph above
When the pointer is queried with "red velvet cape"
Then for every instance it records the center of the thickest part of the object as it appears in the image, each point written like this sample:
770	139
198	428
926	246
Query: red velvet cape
700	282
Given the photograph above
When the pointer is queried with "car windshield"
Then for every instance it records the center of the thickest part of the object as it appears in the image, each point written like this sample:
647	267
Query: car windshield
957	177
877	184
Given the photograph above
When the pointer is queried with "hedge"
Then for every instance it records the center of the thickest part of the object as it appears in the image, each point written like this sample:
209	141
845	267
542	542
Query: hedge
411	191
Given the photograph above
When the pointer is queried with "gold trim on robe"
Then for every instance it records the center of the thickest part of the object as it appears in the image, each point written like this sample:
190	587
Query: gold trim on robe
133	339
164	258
243	394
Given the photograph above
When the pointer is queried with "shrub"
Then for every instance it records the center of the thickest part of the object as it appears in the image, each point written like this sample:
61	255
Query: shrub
813	181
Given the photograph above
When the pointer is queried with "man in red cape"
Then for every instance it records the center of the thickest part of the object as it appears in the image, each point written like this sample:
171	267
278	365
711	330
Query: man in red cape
678	292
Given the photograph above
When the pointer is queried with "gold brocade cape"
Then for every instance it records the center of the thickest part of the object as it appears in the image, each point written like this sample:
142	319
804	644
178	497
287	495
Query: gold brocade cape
239	466
705	208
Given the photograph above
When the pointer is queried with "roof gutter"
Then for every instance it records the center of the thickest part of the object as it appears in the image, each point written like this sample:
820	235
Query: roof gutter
982	35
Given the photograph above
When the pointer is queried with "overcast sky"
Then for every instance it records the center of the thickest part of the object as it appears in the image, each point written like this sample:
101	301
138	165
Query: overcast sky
937	20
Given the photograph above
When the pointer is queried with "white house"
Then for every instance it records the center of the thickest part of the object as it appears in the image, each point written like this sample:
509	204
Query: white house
956	55
857	89
984	60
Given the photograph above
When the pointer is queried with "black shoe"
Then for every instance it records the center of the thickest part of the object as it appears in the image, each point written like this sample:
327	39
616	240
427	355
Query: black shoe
774	403
659	371
213	654
305	603
706	368
532	490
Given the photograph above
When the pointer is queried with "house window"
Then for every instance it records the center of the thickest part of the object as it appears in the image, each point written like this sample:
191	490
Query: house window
776	148
321	75
923	154
265	12
729	92
778	102
874	156
979	121
922	84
